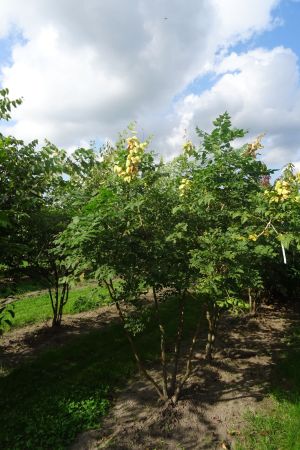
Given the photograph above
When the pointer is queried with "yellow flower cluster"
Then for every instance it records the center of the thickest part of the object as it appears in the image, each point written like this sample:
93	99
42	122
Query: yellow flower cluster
280	193
188	148
285	189
135	150
184	186
252	237
282	189
254	146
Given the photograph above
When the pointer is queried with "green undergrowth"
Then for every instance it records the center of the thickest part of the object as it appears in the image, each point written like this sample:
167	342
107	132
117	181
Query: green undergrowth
33	309
279	429
44	404
24	285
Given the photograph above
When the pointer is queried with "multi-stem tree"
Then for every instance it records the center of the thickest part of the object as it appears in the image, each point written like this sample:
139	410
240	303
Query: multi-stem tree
187	227
129	237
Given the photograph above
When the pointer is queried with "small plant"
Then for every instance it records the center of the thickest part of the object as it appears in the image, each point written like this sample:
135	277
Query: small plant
6	314
94	299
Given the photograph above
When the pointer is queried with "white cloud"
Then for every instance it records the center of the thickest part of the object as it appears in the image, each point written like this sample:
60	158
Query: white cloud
86	69
260	89
241	19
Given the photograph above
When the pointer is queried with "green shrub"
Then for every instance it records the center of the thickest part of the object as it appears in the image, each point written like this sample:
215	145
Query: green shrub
91	300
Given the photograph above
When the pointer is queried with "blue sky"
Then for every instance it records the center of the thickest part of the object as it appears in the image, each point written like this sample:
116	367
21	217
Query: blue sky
286	33
7	44
88	70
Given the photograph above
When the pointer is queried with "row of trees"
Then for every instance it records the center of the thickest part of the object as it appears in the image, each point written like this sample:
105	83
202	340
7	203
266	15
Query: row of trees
207	227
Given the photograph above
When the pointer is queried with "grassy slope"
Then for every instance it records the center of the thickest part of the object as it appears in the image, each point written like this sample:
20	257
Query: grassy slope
46	403
280	429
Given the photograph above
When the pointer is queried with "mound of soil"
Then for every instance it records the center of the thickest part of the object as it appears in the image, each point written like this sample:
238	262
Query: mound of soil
212	408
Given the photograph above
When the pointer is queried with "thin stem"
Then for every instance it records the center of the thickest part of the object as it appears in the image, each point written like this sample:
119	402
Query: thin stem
63	300
132	344
51	298
189	362
54	322
178	340
250	300
212	320
162	344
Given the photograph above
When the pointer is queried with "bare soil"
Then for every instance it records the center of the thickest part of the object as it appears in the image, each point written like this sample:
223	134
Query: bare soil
23	343
211	411
212	408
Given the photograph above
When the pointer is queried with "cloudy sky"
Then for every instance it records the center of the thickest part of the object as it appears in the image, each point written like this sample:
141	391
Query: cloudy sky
85	69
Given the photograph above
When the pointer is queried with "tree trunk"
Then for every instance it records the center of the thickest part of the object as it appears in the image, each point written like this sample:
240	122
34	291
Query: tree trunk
188	364
58	303
252	301
64	296
211	317
139	362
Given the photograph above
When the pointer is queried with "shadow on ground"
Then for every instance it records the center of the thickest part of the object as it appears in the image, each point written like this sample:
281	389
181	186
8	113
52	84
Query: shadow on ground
214	402
23	344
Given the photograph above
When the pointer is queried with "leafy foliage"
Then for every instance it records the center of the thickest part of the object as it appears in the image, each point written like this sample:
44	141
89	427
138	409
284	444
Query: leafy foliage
41	190
190	223
7	313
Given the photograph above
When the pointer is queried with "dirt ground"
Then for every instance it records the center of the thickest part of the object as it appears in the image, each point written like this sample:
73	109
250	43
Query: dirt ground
213	405
214	402
23	343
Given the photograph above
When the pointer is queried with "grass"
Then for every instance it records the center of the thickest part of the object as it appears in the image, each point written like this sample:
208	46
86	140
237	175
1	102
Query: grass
279	429
44	404
33	309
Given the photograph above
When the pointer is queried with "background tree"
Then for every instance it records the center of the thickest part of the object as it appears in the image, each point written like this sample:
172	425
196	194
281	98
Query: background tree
41	190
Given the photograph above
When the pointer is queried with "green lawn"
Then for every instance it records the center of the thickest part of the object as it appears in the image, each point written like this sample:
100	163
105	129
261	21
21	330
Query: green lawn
280	429
46	403
32	309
